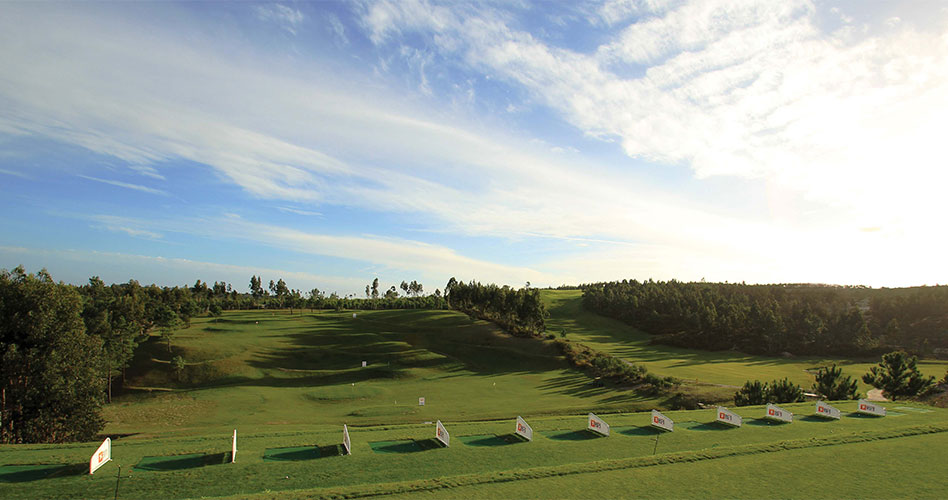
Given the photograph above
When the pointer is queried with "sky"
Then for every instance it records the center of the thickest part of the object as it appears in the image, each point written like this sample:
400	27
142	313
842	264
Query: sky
330	143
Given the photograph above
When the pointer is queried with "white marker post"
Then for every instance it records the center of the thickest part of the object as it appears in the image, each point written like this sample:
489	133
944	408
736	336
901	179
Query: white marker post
662	422
364	364
102	455
826	411
597	425
353	315
867	408
233	448
778	414
728	417
441	434
421	401
523	429
345	439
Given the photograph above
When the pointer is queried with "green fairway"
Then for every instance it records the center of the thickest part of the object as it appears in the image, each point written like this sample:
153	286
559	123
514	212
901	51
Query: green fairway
289	382
402	458
722	367
281	370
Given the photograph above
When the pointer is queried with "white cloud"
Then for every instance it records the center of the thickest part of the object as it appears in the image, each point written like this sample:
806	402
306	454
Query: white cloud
76	266
147	171
298	211
127	185
287	17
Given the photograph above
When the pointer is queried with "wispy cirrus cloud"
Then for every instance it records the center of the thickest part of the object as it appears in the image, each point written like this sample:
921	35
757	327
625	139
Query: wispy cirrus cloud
287	17
126	185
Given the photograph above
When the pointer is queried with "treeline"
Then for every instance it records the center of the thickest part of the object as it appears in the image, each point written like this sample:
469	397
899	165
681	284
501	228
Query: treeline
62	346
773	319
518	311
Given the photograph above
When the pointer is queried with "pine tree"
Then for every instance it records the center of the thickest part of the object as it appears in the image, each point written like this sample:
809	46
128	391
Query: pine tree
898	376
830	384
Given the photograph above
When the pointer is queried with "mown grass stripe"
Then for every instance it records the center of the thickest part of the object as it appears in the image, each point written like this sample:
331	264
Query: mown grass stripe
364	491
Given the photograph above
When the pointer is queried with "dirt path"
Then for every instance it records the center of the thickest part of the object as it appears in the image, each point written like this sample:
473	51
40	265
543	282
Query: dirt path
875	395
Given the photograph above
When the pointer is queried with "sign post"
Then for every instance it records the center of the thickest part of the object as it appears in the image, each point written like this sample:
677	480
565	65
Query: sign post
345	439
441	434
102	455
662	422
826	411
867	408
421	401
523	429
728	417
597	425
778	414
233	448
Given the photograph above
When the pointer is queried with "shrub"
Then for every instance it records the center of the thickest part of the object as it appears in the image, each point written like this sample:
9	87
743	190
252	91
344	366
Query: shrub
753	393
831	384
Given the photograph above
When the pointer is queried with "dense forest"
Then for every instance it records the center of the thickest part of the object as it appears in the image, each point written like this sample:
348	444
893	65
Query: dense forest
776	319
518	311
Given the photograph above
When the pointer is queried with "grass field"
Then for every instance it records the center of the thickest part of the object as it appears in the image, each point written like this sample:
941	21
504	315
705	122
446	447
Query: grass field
289	382
723	367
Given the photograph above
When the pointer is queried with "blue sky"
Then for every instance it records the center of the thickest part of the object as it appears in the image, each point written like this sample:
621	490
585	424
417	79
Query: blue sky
330	143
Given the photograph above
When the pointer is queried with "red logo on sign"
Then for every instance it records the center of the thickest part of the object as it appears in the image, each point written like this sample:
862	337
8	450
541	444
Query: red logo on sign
862	407
655	419
771	412
101	456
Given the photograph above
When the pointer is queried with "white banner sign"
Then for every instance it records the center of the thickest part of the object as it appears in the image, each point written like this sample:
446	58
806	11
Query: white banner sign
777	413
421	401
233	448
728	417
597	425
662	422
441	434
826	411
868	408
101	455
345	440
523	429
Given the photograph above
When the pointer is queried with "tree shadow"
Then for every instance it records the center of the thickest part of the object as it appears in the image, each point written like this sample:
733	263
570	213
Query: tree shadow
814	418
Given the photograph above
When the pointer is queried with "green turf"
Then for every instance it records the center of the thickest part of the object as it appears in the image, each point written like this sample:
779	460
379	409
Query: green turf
292	453
23	473
487	440
179	462
721	367
844	471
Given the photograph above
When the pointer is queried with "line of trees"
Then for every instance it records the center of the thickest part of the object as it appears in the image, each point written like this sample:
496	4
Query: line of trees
518	311
772	319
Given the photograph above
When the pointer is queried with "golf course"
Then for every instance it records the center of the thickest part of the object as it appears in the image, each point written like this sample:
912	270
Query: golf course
288	381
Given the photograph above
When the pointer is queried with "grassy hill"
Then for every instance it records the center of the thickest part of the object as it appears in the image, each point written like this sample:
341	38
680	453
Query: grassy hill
722	367
277	370
289	382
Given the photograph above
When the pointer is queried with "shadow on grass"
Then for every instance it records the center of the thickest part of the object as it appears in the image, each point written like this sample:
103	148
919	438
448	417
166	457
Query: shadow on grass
180	462
706	426
491	440
814	418
26	473
582	435
405	446
862	415
645	430
762	422
297	453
